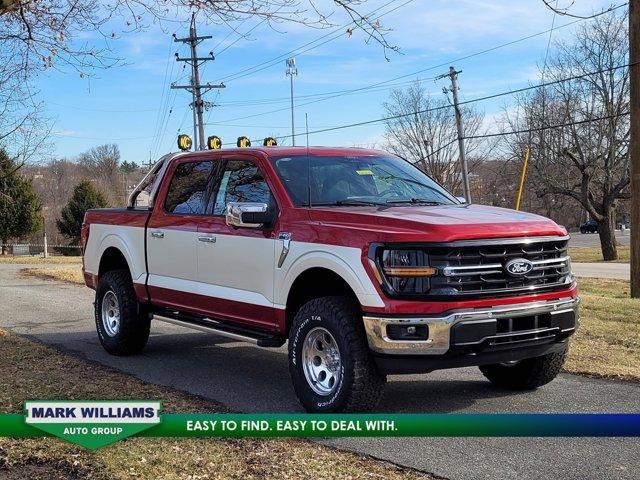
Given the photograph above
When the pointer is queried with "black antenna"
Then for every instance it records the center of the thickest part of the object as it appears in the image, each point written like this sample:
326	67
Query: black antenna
306	121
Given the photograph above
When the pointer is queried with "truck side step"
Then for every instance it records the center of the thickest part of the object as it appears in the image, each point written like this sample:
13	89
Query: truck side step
224	330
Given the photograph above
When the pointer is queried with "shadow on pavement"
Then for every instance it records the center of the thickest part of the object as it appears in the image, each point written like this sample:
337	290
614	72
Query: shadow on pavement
255	379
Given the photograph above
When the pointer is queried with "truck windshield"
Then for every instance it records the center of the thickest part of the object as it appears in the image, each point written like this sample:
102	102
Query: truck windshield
358	180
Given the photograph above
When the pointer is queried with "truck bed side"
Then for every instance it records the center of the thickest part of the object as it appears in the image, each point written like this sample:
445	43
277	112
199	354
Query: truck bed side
114	235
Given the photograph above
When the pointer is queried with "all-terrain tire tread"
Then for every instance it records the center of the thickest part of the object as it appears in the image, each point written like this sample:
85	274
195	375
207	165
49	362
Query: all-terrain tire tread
134	322
529	374
368	383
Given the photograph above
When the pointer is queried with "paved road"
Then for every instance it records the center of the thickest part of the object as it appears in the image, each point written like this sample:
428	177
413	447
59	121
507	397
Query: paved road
593	240
620	271
251	379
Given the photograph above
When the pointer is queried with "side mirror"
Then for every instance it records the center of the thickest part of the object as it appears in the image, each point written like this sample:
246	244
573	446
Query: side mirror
461	199
248	215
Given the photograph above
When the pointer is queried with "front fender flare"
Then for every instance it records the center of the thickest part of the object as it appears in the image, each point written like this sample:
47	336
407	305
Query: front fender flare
353	273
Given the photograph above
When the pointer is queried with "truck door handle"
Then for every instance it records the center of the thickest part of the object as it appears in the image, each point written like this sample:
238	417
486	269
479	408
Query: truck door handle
207	239
158	234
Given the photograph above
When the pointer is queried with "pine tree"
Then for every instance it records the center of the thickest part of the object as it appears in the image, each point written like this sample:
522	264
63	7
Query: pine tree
20	207
85	196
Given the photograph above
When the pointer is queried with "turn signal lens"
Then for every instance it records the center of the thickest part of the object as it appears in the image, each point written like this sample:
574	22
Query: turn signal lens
375	271
410	271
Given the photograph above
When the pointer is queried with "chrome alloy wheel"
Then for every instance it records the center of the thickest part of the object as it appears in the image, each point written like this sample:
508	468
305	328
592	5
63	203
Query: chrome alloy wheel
110	314
321	361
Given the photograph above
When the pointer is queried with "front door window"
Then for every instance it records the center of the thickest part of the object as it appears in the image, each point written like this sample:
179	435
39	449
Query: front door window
241	181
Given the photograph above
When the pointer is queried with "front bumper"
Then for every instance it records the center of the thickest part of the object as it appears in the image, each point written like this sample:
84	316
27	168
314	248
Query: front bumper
504	328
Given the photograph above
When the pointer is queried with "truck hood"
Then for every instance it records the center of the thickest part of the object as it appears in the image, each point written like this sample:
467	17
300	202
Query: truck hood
440	223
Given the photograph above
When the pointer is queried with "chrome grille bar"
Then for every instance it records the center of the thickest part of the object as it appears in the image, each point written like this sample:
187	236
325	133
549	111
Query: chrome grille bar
496	268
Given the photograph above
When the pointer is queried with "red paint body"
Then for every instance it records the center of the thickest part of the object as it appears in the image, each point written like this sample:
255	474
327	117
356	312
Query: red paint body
345	226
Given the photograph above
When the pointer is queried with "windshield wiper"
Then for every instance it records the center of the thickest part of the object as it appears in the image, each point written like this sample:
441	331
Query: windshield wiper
421	201
347	203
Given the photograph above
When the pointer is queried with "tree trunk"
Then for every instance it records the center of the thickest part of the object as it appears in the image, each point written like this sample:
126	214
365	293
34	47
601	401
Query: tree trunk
608	238
4	249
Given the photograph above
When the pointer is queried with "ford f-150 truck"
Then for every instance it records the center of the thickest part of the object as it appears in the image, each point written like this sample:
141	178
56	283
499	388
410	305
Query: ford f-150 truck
360	260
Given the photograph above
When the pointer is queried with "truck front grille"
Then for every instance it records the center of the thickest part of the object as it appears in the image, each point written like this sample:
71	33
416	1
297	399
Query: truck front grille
477	268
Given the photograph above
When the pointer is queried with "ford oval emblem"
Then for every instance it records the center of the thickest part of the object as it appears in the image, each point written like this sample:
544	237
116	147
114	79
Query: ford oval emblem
518	266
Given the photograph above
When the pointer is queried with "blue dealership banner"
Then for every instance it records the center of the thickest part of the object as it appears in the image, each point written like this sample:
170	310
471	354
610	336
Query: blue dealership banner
105	424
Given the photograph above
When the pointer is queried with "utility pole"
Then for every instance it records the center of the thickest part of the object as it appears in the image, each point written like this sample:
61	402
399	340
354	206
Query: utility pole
634	143
453	74
197	90
291	72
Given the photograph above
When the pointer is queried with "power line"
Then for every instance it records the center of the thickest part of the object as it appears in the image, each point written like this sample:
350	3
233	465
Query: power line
101	110
243	35
165	123
539	129
479	99
355	90
160	114
331	94
298	50
444	64
231	32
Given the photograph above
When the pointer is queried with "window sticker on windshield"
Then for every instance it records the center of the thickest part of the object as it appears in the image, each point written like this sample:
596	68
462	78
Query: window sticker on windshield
364	172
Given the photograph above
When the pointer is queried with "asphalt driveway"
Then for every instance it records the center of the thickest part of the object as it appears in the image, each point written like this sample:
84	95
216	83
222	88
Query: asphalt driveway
251	379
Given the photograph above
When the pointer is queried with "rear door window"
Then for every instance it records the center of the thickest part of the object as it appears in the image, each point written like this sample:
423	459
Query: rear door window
189	188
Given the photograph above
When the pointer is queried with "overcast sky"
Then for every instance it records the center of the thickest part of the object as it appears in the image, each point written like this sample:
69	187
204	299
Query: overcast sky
132	105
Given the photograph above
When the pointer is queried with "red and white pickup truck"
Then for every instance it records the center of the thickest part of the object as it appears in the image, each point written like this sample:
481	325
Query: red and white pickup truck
361	261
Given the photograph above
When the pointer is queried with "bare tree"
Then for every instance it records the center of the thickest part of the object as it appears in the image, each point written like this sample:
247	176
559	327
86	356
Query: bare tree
39	34
102	164
579	134
423	131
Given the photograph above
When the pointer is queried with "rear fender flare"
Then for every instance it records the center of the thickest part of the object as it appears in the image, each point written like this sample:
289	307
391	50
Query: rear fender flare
115	241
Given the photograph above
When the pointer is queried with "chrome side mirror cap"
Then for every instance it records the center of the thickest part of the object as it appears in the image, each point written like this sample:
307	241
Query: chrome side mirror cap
248	215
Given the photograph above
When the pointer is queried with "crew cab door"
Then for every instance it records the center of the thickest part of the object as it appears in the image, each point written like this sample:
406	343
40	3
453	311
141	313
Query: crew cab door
172	232
237	264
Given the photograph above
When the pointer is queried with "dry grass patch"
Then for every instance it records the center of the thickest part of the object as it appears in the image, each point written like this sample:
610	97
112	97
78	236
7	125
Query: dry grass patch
68	273
30	370
39	260
608	340
594	254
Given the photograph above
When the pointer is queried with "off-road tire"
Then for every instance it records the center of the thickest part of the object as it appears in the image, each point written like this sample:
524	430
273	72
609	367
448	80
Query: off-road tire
133	331
360	385
527	374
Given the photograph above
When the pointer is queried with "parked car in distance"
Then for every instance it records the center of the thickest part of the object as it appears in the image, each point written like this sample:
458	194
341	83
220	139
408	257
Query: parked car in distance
590	226
359	260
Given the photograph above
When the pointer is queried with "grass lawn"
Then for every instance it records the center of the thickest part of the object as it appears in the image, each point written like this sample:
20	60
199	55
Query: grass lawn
30	370
594	254
607	343
608	340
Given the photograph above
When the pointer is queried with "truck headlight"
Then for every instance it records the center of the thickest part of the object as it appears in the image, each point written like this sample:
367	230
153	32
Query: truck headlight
406	270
